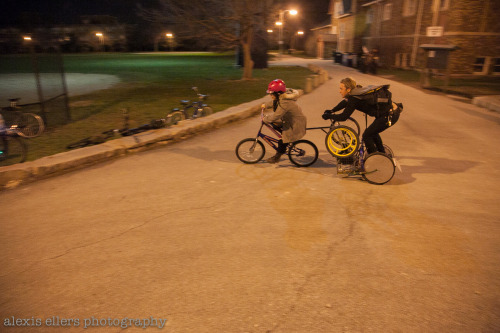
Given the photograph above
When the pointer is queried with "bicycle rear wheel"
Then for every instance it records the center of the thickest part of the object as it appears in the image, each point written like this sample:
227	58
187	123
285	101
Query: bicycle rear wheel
250	150
189	112
303	153
12	150
342	141
378	168
388	151
29	125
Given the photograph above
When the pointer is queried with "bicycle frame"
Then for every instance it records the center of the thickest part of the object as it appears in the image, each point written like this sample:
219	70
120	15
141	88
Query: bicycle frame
273	142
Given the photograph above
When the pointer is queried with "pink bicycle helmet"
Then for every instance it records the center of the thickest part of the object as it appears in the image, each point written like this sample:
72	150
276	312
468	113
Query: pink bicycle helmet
276	86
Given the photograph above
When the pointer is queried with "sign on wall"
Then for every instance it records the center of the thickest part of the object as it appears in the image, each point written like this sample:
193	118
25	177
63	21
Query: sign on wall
435	31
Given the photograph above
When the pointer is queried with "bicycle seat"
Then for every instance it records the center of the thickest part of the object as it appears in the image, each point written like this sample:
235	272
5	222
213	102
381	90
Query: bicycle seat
175	109
185	102
14	99
203	96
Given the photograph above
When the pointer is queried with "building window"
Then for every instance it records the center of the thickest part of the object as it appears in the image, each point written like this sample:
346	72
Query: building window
338	9
369	16
479	64
496	66
342	30
387	12
445	4
409	7
482	65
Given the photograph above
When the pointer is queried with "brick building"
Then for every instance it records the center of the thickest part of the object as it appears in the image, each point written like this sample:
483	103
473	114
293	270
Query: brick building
398	29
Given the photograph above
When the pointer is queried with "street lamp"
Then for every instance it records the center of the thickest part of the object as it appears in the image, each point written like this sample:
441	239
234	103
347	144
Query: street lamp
101	39
280	24
170	37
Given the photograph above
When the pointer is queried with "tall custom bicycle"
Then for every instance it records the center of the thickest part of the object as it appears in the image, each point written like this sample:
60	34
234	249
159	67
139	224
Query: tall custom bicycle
342	141
302	153
352	158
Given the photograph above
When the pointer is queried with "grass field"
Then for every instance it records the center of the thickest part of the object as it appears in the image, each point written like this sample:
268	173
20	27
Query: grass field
151	85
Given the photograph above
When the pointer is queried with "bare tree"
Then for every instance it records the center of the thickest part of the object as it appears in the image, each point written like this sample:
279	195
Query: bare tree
222	24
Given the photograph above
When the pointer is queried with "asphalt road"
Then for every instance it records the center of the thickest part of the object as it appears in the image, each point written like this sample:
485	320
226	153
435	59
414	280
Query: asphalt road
189	234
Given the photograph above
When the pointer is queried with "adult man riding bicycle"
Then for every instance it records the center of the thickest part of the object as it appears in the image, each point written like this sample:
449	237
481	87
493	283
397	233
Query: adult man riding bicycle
287	117
385	116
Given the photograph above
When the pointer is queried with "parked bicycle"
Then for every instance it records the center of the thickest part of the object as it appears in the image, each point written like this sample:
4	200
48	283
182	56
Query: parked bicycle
12	147
191	110
28	125
302	153
124	131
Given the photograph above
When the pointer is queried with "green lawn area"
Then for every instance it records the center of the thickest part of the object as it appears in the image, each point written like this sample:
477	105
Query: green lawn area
151	85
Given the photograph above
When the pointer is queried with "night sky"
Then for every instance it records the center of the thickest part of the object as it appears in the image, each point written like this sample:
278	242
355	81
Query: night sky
13	12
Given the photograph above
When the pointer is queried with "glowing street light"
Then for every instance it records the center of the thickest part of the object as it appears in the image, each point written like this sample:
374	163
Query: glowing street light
170	37
101	39
270	30
280	25
300	32
27	38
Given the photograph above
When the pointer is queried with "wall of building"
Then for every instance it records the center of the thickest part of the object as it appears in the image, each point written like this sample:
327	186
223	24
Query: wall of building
471	25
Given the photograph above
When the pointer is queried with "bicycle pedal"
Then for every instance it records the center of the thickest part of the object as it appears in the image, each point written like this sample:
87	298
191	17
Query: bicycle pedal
345	168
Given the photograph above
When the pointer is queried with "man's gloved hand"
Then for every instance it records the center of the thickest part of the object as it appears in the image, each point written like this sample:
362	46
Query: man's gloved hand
327	115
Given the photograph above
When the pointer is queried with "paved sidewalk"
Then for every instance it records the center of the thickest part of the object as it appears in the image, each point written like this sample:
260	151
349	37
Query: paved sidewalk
489	102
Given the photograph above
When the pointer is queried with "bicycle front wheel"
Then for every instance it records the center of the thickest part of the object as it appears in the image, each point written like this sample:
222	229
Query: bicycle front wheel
378	168
174	118
30	125
250	151
303	153
206	111
12	150
342	141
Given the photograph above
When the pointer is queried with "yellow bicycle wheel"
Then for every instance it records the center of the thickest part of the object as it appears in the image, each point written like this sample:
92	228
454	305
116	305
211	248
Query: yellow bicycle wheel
342	141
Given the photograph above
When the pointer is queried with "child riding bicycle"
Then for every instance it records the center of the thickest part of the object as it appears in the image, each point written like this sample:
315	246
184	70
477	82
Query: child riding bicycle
287	116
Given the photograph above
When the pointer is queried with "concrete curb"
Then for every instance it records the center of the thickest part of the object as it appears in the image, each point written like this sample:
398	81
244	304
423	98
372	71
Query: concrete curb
488	102
15	175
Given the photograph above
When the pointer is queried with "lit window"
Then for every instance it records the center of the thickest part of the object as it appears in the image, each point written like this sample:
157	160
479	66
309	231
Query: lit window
387	12
338	9
409	7
445	4
369	16
342	30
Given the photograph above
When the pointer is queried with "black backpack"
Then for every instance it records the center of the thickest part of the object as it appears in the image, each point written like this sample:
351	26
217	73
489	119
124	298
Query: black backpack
378	96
